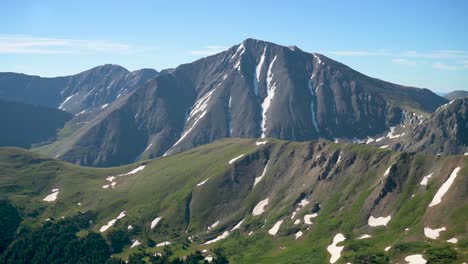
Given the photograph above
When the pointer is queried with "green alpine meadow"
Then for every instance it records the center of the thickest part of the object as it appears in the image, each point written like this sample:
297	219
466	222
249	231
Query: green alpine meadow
248	201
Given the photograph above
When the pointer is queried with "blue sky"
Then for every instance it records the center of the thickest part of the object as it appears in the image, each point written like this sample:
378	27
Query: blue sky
417	43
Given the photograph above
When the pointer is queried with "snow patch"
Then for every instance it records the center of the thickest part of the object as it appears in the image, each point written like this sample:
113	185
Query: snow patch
274	230
112	222
293	215
433	233
453	240
197	113
340	158
388	248
383	147
203	182
364	236
258	143
260	207
140	168
298	234
236	158
308	218
268	99
444	188
218	238
155	222
104	106
303	202
415	259
148	147
426	179
387	172
136	243
312	106
238	225
52	197
298	221
258	179
379	221
64	102
163	244
258	71
215	224
335	250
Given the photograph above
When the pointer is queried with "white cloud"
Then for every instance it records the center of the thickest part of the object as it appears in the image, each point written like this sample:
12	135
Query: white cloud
404	62
21	44
443	66
208	50
438	54
359	53
435	54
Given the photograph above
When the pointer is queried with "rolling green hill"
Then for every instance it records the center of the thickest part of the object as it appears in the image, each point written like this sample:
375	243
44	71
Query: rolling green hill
256	197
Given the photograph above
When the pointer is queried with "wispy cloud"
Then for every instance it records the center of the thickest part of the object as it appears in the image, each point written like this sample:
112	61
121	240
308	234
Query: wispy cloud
208	50
359	53
21	44
443	66
406	62
437	54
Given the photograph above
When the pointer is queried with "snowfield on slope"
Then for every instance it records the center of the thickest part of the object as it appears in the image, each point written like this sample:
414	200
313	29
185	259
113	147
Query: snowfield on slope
274	230
155	222
433	233
425	179
236	158
260	207
52	197
258	179
379	221
334	250
444	188
112	222
415	259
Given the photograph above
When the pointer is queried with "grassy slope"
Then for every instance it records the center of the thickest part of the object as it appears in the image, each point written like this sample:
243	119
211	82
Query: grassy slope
167	185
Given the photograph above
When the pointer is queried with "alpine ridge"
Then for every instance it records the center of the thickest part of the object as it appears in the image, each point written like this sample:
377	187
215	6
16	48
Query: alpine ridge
254	89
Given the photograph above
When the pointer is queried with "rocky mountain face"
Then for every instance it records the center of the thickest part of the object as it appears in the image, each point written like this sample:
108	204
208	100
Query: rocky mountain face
456	94
445	132
262	201
23	124
254	89
442	132
76	93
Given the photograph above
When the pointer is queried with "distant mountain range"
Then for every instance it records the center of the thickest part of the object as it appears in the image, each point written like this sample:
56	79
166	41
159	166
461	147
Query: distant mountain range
254	89
456	94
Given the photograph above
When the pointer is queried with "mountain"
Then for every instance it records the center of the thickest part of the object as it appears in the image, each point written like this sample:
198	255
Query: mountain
23	124
254	89
76	93
445	132
456	94
260	201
